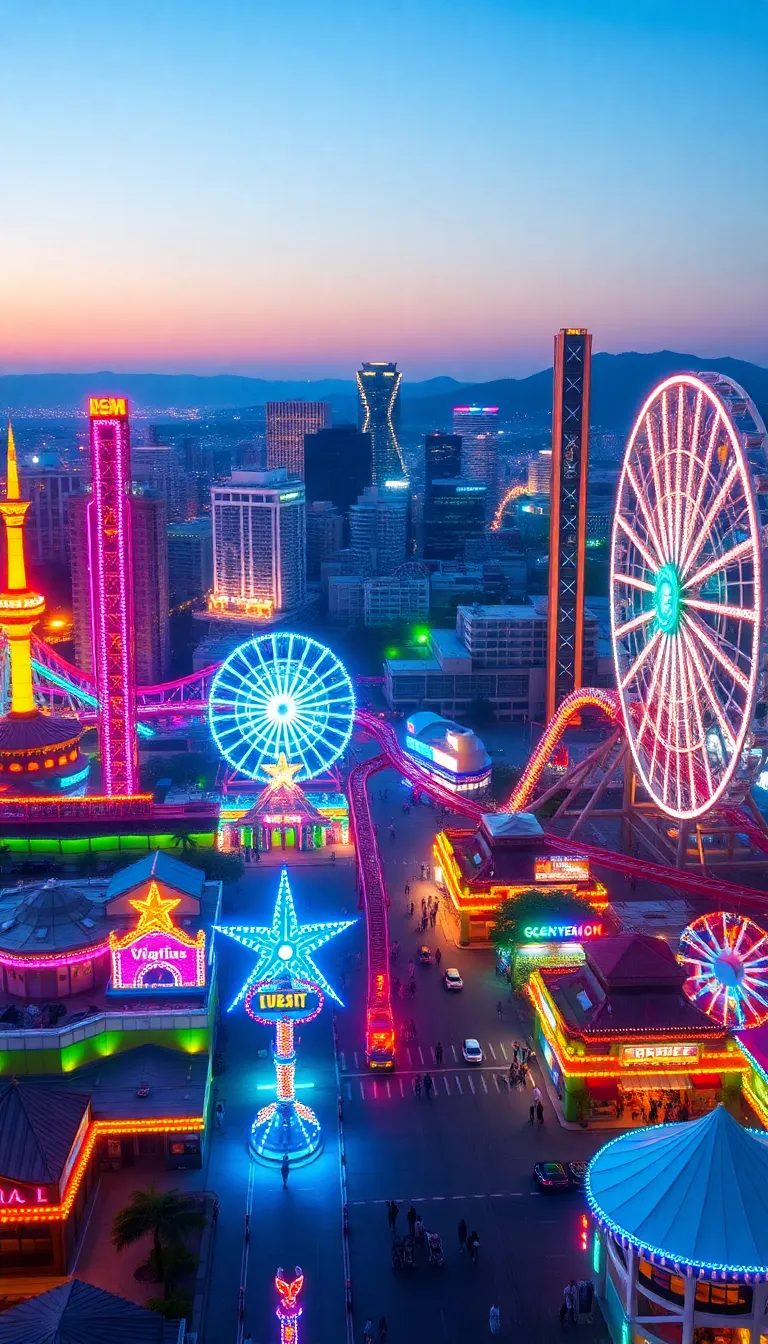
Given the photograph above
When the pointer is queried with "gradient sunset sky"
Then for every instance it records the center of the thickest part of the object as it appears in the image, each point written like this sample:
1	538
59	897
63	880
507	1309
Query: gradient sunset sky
285	187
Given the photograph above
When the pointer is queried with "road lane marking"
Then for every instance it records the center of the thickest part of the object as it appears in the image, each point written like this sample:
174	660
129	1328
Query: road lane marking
343	1062
349	1091
421	1057
432	1053
458	1084
357	1063
503	1051
490	1047
375	1091
447	1088
362	1092
455	1056
408	1053
389	1094
471	1083
496	1081
402	1094
482	1080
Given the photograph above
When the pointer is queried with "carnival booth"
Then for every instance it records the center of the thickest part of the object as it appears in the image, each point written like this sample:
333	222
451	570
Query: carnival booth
680	1253
623	1044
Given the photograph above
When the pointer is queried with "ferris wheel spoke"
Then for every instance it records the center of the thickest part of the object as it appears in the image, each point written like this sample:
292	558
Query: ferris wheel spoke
635	623
637	543
672	710
704	529
661	705
720	562
722	609
717	652
710	694
679	470
703	478
699	721
646	512
665	540
684	700
658	664
641	658
634	583
688	513
666	464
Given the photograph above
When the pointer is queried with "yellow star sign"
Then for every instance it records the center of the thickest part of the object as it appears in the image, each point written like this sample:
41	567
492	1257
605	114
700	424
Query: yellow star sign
155	912
282	773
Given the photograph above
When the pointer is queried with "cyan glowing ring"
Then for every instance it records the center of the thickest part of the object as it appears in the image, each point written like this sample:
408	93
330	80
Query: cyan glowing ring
281	693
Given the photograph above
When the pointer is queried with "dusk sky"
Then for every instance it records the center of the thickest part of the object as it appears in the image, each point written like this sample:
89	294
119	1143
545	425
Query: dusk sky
285	187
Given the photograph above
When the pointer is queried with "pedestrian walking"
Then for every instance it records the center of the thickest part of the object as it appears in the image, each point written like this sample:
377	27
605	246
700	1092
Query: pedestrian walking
539	1112
412	1215
410	910
285	1168
568	1310
516	1052
423	906
392	1212
523	1075
418	1230
536	1095
422	875
428	1084
462	1236
417	1085
532	1110
368	1332
407	889
473	1245
438	957
411	969
220	1115
383	1330
438	1054
494	1319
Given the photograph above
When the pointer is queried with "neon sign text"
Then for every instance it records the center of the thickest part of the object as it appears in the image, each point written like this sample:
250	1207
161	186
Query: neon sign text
100	407
560	932
13	1195
633	1053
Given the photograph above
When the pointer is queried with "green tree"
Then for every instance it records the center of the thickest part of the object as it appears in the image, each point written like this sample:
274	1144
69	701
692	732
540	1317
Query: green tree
184	840
165	1215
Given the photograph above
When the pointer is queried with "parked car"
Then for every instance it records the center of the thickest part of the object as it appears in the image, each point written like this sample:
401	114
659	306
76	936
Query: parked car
576	1172
472	1051
551	1176
452	979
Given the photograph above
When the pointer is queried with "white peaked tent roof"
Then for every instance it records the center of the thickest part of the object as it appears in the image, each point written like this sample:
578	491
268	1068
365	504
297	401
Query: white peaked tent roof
695	1193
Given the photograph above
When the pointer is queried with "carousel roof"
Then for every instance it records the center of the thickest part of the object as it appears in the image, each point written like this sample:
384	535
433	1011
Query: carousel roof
694	1193
51	916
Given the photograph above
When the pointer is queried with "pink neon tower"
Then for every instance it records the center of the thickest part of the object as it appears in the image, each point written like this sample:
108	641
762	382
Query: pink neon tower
111	579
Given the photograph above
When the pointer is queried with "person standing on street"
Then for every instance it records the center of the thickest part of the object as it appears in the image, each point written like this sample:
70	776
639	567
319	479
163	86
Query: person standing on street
532	1111
539	1112
438	1054
438	957
417	1085
473	1245
494	1319
412	1221
383	1330
462	1236
536	1095
285	1168
428	1084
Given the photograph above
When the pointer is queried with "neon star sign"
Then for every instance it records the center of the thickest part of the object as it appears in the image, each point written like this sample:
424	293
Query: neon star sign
285	946
157	955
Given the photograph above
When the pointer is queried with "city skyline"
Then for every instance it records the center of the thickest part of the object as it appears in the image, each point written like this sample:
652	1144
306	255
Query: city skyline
240	235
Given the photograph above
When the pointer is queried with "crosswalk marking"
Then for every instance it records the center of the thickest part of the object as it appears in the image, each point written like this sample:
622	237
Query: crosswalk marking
357	1066
372	1088
503	1051
496	1081
402	1094
421	1056
485	1085
490	1047
343	1062
447	1088
408	1053
458	1084
432	1053
349	1091
389	1094
362	1091
375	1089
471	1084
455	1056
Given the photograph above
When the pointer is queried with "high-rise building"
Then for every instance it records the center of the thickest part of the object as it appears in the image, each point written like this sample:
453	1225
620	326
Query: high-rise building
159	468
378	526
287	424
442	457
540	472
378	386
48	489
110	553
337	465
325	534
568	514
150	588
190	560
454	518
259	544
478	427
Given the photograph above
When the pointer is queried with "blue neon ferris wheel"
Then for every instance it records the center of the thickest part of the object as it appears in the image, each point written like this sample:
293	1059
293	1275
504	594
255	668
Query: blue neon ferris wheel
281	693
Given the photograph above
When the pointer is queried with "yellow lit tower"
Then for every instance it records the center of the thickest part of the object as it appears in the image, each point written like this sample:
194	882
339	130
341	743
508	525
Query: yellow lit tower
38	752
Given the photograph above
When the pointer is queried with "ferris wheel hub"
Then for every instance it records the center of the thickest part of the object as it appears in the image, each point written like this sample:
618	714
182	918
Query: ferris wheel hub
668	599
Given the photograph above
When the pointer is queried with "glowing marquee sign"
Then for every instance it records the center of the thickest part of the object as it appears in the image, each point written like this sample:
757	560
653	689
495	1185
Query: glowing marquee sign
107	408
633	1054
286	1000
560	933
561	868
157	955
34	1195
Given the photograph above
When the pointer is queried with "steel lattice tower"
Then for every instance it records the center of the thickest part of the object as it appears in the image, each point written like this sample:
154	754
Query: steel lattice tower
111	577
568	514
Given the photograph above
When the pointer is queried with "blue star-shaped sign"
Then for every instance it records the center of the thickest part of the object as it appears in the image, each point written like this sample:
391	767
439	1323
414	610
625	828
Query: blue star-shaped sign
286	947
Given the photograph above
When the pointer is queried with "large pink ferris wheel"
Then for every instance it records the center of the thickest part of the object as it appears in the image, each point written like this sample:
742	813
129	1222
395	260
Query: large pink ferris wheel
688	583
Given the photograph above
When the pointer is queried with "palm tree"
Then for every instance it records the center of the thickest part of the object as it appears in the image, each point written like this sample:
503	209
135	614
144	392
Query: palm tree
165	1214
184	840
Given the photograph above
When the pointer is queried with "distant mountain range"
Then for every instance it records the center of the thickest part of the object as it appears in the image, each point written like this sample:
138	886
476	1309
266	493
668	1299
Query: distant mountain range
620	383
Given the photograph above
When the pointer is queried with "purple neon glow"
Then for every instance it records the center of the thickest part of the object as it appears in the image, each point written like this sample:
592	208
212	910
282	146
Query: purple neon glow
53	961
111	581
